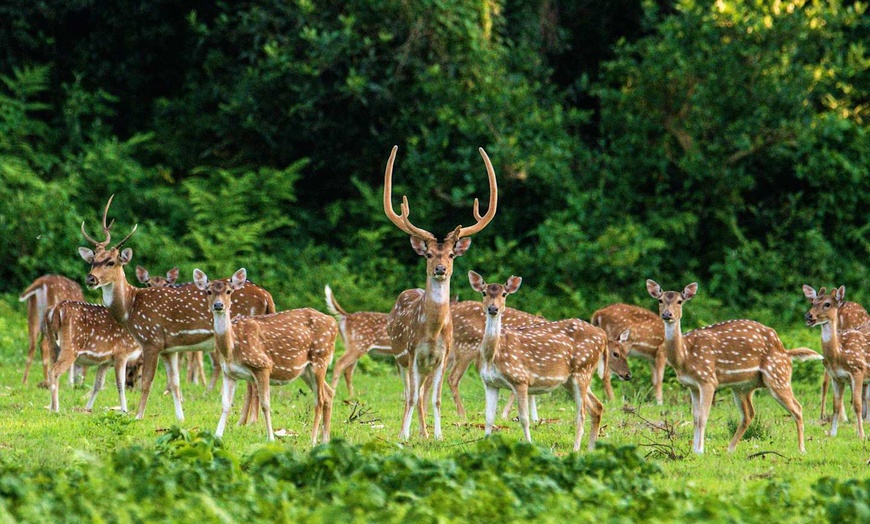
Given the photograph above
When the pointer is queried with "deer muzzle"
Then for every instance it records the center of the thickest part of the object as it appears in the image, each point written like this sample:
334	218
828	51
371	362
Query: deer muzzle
91	281
218	306
492	310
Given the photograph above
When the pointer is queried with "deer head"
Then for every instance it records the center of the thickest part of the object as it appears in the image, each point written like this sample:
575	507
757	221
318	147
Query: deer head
671	302
107	263
439	255
618	358
825	306
144	277
494	295
219	291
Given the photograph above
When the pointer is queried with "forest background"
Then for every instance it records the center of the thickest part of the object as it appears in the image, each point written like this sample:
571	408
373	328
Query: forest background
725	143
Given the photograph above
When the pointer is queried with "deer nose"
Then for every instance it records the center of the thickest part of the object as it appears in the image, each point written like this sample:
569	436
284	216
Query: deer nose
91	280
667	315
808	317
628	376
218	306
440	269
492	309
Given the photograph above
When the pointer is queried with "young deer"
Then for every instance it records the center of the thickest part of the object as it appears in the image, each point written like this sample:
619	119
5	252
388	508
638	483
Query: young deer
43	293
420	325
360	332
851	316
169	280
644	337
270	349
739	354
164	321
537	360
88	335
845	351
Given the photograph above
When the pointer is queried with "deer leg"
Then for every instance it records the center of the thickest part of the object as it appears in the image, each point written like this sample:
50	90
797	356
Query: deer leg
411	393
743	400
170	362
309	377
48	350
605	377
596	408
228	389
785	397
215	370
262	378
327	396
33	340
522	392
533	407
457	371
506	412
425	386
436	397
347	362
826	382
121	381
705	402
658	375
695	410
243	417
579	395
149	366
857	397
491	408
99	380
865	390
837	390
64	362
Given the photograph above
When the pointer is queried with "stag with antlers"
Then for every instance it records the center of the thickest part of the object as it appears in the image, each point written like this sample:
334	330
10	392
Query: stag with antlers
164	321
420	324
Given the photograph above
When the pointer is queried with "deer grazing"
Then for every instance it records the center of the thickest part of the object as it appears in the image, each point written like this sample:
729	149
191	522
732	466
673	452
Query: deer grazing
845	352
851	316
270	349
86	334
360	332
164	321
644	337
739	354
537	360
43	293
420	325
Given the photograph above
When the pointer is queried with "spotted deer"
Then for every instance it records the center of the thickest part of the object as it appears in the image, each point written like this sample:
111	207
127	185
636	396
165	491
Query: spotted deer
360	333
537	360
43	293
146	278
164	321
851	316
845	352
270	349
87	334
743	355
644	337
420	325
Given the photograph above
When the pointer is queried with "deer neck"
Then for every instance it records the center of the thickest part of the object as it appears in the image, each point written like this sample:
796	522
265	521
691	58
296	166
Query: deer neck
436	303
118	297
830	339
223	334
491	338
675	347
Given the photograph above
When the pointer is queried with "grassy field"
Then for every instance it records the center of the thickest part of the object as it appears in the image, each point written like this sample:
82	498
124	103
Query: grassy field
32	438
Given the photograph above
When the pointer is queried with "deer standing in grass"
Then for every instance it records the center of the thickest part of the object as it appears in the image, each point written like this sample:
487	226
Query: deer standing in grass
537	360
637	332
86	334
851	315
743	355
271	349
164	321
420	325
360	332
845	352
43	293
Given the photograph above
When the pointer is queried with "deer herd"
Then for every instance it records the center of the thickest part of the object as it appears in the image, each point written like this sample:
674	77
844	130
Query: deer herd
430	337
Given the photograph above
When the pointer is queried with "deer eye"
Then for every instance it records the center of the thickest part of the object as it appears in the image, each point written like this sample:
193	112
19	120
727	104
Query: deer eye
110	263
229	291
452	255
615	355
504	294
483	293
661	301
827	305
428	255
208	292
679	301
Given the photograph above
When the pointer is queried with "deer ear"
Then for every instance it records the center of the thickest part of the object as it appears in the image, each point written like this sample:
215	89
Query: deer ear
513	284
809	292
172	275
624	335
86	254
840	294
200	280
126	256
654	289
476	281
690	290
142	274
239	279
461	246
419	245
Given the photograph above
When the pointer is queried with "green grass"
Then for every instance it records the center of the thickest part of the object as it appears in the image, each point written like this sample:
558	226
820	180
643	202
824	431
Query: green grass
32	438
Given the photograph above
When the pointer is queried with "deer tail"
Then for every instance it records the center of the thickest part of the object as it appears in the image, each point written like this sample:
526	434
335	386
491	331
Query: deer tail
802	354
332	304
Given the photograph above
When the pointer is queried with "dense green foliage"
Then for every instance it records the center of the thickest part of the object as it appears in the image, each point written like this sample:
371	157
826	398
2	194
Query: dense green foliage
725	143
